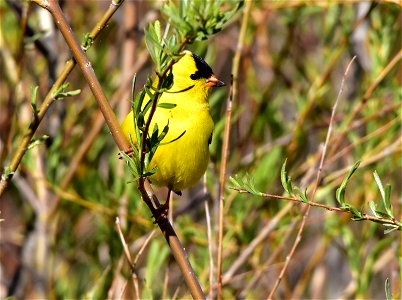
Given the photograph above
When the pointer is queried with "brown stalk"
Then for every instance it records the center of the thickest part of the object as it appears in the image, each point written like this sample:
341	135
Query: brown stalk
330	208
367	95
247	252
49	99
232	97
317	182
128	257
147	194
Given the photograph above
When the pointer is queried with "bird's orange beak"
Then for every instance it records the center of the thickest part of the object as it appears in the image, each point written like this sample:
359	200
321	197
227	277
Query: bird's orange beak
213	81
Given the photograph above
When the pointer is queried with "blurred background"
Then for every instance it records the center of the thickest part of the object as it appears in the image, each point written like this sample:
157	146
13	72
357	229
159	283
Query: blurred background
58	235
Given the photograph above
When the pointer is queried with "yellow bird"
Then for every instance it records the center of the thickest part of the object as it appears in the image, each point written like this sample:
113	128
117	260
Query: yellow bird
180	164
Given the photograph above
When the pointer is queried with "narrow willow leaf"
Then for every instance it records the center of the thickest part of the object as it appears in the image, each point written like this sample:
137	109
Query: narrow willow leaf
157	28
34	97
387	200
7	172
235	181
340	192
382	214
163	133
284	177
130	163
388	294
140	120
373	208
166	105
303	196
36	142
62	95
379	184
393	228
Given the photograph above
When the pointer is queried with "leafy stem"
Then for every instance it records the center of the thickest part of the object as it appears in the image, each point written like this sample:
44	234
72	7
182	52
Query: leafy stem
245	184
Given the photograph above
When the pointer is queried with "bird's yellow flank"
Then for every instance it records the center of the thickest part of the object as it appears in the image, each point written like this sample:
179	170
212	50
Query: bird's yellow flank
181	163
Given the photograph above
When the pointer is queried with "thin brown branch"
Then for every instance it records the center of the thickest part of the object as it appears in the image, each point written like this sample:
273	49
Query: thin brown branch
149	198
50	98
328	207
222	180
128	257
209	236
317	182
246	253
384	72
89	74
233	95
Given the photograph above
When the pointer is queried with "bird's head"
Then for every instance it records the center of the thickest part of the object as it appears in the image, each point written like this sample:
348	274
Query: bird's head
191	71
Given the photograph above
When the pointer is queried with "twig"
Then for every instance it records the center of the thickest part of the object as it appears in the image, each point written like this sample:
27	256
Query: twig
233	95
270	260
148	196
144	245
97	125
49	99
209	235
86	68
222	181
327	207
384	72
317	181
255	242
128	256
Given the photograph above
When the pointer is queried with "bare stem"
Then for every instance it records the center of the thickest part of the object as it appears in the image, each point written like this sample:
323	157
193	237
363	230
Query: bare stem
111	120
49	99
330	208
128	257
317	182
232	97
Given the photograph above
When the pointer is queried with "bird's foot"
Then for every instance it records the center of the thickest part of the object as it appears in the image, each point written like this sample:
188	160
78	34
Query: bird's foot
162	212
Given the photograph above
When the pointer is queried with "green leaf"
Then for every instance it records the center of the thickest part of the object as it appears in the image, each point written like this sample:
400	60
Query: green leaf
387	200
60	93
385	194
35	142
303	196
379	184
34	97
340	192
245	183
88	42
157	28
166	105
393	228
175	139
140	120
131	164
285	180
7	173
373	208
167	82
163	133
382	214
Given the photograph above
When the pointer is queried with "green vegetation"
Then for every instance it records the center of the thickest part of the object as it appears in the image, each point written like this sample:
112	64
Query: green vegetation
58	209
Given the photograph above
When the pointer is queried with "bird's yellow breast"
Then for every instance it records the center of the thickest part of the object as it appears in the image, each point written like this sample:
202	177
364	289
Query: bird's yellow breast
181	163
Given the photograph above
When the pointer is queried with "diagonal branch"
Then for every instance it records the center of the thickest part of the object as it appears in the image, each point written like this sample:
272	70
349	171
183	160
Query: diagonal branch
49	100
147	194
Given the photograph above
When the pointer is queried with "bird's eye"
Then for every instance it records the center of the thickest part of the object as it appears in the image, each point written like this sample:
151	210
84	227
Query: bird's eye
193	76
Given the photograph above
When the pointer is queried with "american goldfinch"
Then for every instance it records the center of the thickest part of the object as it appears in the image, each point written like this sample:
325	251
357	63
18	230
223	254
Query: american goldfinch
181	163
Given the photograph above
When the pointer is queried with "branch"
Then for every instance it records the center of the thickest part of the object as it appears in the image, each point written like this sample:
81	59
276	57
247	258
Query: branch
317	181
49	100
148	196
327	207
